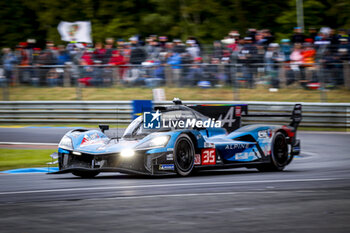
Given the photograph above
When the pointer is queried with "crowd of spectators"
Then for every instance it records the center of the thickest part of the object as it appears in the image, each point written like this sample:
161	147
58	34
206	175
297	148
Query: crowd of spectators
306	59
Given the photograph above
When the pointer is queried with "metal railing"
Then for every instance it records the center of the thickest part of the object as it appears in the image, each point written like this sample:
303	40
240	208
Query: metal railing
319	76
325	115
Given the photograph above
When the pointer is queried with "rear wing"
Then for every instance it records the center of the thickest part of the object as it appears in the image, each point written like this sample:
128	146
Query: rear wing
231	115
296	116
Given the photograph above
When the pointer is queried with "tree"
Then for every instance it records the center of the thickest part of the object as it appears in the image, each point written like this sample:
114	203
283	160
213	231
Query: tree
208	20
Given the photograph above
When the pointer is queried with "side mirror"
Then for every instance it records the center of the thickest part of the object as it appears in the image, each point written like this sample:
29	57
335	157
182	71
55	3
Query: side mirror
103	128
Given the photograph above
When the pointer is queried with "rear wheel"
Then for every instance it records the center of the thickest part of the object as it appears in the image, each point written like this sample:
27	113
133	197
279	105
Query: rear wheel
184	155
86	174
279	154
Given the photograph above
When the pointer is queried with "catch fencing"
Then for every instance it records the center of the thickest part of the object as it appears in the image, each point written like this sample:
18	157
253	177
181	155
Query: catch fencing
315	115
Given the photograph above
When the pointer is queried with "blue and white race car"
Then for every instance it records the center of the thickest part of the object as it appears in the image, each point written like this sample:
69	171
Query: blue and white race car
179	139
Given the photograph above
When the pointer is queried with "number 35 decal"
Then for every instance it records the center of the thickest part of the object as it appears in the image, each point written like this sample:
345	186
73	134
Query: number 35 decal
208	157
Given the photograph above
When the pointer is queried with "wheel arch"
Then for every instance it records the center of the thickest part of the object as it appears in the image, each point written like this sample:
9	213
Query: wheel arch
193	139
282	131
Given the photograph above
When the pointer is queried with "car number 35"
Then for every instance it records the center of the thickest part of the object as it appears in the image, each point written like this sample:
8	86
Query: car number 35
208	157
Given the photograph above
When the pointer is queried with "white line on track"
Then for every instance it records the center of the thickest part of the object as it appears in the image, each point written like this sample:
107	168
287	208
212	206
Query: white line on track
324	132
164	185
186	195
207	194
308	153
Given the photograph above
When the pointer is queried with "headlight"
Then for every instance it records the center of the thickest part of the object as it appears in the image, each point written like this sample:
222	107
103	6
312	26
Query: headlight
66	143
127	153
156	142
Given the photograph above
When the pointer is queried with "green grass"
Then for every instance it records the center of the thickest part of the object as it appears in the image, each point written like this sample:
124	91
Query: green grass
224	93
23	158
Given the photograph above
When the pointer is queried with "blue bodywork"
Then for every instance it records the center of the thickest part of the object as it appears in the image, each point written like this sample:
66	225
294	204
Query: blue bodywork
246	146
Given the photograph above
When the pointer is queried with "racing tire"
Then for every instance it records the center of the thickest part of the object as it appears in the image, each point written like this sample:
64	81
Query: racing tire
86	174
279	154
184	155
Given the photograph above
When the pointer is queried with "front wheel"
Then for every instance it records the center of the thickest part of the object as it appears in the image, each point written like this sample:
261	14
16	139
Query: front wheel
184	155
279	154
86	174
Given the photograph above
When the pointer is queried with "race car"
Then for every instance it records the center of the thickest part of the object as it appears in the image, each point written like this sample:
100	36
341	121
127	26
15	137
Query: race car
179	139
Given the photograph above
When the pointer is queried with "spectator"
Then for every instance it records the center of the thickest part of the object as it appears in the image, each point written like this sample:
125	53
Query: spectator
49	55
108	50
231	44
63	55
296	59
247	57
153	50
312	34
272	57
9	60
87	58
259	38
298	36
120	44
162	41
169	47
179	47
118	59
174	59
286	49
251	33
99	52
212	73
195	73
193	49
217	50
268	37
138	54
308	61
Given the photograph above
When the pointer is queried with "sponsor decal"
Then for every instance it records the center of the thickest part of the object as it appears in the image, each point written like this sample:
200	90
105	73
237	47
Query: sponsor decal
208	157
238	111
100	163
166	166
267	149
155	121
209	145
246	155
152	120
237	146
170	157
265	133
229	117
90	139
219	158
197	159
241	156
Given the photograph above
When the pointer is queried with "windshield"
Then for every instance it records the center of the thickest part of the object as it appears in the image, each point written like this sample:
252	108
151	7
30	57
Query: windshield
136	129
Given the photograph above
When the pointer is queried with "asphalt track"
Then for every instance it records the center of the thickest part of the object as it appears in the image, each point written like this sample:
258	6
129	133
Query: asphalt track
311	195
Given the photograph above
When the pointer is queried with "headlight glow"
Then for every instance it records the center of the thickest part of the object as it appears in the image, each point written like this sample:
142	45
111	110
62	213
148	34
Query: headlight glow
127	153
156	142
66	143
159	141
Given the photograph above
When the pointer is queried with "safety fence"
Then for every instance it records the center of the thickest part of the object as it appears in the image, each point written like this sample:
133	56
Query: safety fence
315	115
211	74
